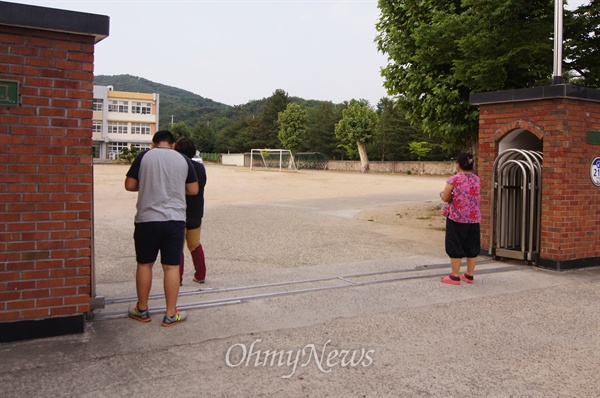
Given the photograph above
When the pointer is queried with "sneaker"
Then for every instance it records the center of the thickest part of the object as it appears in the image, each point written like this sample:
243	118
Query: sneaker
179	317
135	313
447	279
464	278
198	280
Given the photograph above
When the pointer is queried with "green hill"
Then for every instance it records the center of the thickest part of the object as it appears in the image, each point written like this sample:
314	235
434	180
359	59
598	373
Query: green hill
181	104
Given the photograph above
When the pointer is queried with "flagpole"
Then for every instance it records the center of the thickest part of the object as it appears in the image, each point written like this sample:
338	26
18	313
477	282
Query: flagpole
558	42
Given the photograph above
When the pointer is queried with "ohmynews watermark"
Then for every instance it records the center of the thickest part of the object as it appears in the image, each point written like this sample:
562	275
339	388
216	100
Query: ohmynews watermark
324	357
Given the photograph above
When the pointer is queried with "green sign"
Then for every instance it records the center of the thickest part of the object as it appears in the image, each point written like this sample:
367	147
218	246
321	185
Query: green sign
593	137
9	93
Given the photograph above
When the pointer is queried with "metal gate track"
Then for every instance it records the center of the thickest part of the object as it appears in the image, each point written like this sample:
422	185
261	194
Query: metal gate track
346	279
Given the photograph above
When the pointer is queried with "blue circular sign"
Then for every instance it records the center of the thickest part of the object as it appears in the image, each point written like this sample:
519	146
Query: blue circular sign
595	172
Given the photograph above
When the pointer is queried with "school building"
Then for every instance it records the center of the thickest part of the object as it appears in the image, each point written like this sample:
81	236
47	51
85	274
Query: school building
122	120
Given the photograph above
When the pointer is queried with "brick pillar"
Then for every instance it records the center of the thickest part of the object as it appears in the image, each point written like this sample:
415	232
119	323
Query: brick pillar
46	180
562	117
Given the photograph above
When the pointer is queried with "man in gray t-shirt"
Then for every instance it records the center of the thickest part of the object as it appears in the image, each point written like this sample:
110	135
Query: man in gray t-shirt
162	177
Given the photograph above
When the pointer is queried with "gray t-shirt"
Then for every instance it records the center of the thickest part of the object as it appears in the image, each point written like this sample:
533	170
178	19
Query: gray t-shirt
162	174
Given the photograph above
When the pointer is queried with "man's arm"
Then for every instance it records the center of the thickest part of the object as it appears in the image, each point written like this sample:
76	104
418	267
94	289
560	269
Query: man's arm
192	188
191	182
132	185
132	182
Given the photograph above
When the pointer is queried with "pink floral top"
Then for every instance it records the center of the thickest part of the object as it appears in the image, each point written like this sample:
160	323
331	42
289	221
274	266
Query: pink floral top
465	202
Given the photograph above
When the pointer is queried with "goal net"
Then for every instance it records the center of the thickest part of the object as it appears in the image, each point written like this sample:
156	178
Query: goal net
271	159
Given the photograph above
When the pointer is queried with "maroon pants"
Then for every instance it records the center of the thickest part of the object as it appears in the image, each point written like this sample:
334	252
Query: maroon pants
199	264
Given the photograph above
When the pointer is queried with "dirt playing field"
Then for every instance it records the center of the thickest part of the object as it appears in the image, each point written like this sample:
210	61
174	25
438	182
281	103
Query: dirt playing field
250	206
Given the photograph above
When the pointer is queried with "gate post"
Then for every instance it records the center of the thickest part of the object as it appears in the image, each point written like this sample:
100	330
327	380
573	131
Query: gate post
565	118
46	181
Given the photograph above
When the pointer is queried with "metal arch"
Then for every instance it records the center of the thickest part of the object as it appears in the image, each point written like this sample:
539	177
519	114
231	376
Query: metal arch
514	230
516	204
502	157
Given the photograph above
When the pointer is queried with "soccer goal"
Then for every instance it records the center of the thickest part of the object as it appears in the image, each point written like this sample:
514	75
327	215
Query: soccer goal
272	159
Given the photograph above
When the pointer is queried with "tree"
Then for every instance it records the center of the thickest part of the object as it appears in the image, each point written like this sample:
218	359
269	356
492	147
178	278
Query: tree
358	124
420	149
128	154
180	129
203	137
320	133
582	44
394	133
441	51
292	128
394	139
228	138
267	130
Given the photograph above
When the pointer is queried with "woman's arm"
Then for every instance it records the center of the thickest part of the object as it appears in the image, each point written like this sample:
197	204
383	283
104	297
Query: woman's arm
446	194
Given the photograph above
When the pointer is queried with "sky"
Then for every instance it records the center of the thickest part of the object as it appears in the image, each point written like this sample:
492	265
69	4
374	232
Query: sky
236	51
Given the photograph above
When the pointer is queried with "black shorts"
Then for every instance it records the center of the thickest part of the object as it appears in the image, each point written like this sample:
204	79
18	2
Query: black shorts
165	236
462	240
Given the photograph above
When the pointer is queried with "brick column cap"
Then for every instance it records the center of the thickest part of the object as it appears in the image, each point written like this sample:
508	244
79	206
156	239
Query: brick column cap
52	19
536	93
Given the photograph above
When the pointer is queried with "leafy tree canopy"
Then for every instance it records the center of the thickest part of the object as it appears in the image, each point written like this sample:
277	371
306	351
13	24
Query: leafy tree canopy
392	138
582	44
420	149
179	130
357	127
292	127
358	123
441	51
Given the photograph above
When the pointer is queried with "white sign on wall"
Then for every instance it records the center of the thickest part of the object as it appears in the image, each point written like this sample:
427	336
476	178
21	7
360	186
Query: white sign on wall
595	172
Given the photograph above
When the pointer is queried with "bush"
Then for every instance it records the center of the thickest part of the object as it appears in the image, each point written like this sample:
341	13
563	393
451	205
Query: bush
128	154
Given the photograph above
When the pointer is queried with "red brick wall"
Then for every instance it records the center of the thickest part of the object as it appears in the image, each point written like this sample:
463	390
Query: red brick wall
46	175
570	223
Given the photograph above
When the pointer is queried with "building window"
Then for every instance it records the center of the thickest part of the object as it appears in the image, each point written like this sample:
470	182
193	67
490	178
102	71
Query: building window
97	104
145	108
116	146
141	147
114	149
118	106
140	128
97	126
117	127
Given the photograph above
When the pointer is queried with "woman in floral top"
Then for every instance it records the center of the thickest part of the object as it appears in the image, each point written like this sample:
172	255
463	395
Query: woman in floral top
462	212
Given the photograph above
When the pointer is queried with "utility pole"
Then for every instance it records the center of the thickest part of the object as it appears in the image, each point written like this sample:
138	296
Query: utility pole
172	121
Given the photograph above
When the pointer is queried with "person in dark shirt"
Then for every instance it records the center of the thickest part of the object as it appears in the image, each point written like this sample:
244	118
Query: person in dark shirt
194	213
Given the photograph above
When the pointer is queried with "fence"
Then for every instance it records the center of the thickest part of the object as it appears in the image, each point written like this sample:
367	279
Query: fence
414	167
418	168
211	157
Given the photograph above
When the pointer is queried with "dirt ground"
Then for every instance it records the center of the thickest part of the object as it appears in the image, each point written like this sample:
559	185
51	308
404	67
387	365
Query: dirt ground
394	205
229	184
418	218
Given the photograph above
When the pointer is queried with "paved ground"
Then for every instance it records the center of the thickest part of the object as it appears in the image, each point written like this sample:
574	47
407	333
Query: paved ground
320	284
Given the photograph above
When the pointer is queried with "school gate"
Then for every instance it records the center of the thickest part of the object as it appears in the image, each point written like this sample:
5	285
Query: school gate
539	163
46	175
